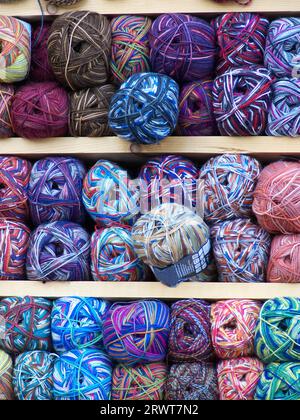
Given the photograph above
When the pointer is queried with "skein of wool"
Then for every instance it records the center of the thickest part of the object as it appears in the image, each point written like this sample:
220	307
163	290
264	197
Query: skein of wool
238	378
15	40
40	70
241	251
142	382
183	47
77	323
89	111
6	375
55	190
276	203
6	97
33	375
284	262
137	332
40	110
276	336
145	108
233	324
79	48
192	381
27	323
190	335
82	375
130	46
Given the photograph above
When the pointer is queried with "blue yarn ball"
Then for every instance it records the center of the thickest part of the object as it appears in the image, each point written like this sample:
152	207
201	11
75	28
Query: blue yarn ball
78	323
145	108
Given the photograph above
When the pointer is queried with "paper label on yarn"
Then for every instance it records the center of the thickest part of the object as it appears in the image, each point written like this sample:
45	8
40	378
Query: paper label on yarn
187	267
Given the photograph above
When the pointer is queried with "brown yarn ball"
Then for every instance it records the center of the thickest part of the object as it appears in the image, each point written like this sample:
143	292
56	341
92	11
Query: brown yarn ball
89	111
79	49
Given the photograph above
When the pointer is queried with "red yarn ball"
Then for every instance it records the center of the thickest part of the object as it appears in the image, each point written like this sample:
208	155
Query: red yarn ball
40	70
284	262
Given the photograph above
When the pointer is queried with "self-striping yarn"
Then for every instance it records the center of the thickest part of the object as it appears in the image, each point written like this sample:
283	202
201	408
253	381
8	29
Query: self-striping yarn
241	251
192	381
238	378
284	262
230	181
130	46
6	97
89	111
183	47
82	375
26	324
40	70
77	323
59	251
79	48
137	332
33	375
190	334
6	376
55	190
142	382
233	324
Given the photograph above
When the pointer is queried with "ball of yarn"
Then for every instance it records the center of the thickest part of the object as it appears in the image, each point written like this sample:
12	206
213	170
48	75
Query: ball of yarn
109	195
241	38
230	181
40	110
130	46
82	375
55	190
79	48
277	332
89	111
40	70
276	203
196	114
15	40
6	97
33	375
284	262
26	324
241	251
113	256
143	382
14	181
233	324
145	108
77	323
59	251
182	46
238	378
137	332
6	371
190	335
192	381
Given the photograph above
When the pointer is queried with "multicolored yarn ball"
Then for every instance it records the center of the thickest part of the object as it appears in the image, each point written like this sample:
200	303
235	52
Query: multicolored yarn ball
109	195
276	203
277	332
241	251
14	181
233	324
82	375
27	324
33	375
183	47
137	332
79	49
238	378
40	110
55	190
279	382
284	262
89	111
230	181
142	382
40	70
192	381
6	375
130	46
145	108
241	38
241	100
6	96
77	323
190	335
15	39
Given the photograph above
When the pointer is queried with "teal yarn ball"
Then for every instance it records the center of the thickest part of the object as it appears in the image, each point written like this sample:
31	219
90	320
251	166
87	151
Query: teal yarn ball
277	336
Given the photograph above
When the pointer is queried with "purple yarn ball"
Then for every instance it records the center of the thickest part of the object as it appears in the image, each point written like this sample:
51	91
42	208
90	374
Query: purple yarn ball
40	70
